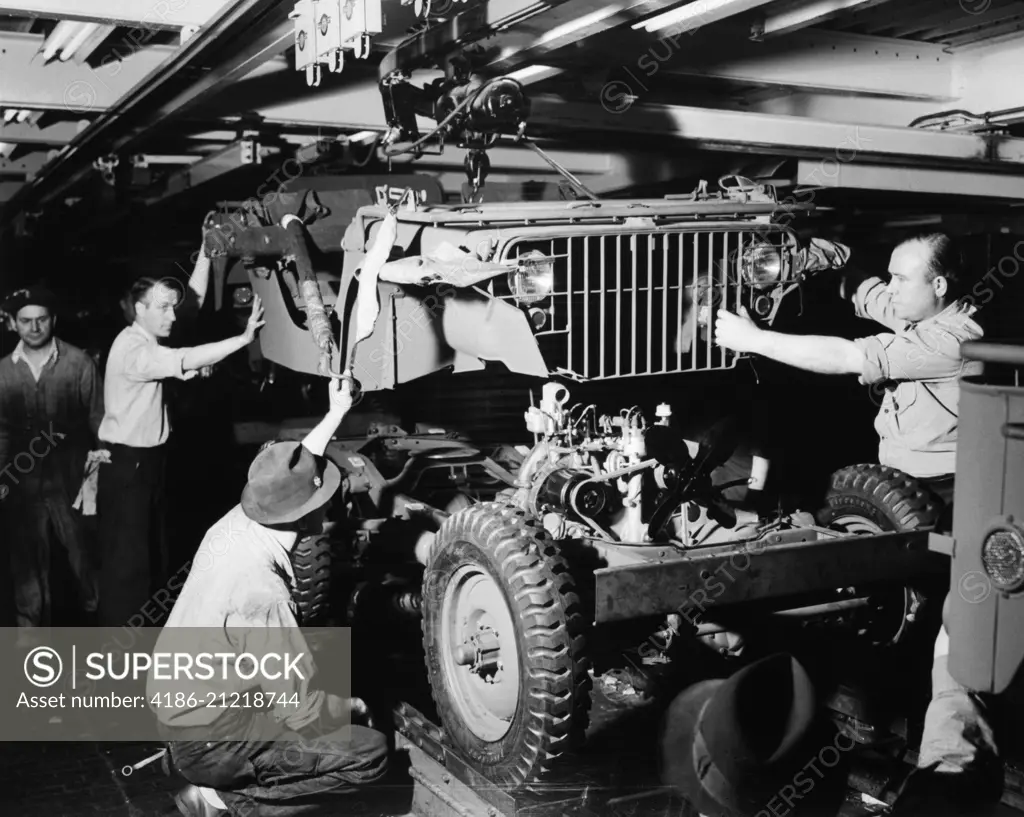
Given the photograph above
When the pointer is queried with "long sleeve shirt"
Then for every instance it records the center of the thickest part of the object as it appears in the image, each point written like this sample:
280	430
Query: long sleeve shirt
237	599
48	423
918	365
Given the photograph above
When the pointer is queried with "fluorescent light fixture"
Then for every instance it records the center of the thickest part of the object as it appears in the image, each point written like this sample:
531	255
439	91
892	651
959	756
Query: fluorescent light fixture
167	159
24	114
534	72
364	136
79	37
791	19
698	13
558	32
62	32
6	149
10	114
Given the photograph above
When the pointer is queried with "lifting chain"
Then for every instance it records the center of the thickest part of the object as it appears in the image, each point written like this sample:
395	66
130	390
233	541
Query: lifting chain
478	166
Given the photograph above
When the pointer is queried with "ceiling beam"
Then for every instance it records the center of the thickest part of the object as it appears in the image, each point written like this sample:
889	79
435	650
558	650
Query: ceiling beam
151	14
567	25
985	76
823	61
29	83
972	183
25	167
243	36
808	13
861	110
80	89
832	142
55	135
515	33
239	154
353	107
8	189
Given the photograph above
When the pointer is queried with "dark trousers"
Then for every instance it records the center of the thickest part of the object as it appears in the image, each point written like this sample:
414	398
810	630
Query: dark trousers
942	488
35	526
130	507
275	772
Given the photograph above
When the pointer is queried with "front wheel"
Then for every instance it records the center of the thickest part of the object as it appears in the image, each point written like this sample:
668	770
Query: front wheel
877	499
504	634
874	499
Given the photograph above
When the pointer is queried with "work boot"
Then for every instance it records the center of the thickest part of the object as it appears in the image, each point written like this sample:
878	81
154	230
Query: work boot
191	803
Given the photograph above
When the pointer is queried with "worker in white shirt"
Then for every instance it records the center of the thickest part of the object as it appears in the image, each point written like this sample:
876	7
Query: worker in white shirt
135	430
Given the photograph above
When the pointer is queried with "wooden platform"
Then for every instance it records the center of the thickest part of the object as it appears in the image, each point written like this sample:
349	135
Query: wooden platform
617	776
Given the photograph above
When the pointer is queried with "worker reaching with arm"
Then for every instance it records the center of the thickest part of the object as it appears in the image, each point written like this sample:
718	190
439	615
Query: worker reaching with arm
239	593
135	430
918	364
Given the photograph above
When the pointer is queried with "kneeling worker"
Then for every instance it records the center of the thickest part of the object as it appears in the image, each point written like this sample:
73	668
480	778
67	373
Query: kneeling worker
283	760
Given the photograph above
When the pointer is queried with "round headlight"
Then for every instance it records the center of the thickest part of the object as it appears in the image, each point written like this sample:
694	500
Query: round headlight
1002	556
242	296
762	265
533	279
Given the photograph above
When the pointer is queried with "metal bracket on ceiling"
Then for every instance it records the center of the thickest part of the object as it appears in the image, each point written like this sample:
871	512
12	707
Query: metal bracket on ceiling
324	29
106	165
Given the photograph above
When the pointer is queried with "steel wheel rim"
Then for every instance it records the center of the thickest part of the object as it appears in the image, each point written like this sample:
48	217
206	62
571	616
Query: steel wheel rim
486	704
854	523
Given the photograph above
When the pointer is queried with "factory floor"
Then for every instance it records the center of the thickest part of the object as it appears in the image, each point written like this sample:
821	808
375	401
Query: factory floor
87	779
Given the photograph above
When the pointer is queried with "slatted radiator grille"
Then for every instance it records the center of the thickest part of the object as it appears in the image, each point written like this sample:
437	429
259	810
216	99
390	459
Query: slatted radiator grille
626	304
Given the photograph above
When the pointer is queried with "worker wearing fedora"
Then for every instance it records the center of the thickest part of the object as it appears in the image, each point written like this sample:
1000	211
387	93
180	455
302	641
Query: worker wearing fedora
755	745
294	756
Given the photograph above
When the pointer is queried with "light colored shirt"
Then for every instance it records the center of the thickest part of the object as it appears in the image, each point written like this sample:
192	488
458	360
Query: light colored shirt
239	592
19	355
919	366
133	394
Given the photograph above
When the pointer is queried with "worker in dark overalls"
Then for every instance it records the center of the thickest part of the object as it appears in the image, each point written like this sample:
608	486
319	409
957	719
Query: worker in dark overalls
51	405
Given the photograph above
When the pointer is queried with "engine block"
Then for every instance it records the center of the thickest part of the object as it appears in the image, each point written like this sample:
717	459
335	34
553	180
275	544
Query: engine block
617	478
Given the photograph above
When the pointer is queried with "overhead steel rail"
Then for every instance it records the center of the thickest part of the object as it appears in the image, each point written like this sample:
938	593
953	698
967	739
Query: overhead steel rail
244	35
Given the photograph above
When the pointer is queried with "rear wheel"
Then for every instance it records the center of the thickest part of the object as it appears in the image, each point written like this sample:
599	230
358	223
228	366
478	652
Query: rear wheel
311	561
505	640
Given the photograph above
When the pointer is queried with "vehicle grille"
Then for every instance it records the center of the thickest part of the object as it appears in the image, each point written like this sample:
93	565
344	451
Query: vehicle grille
626	304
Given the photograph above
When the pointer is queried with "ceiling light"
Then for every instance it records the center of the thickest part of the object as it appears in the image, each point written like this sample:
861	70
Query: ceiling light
363	136
61	33
534	72
698	13
581	22
75	42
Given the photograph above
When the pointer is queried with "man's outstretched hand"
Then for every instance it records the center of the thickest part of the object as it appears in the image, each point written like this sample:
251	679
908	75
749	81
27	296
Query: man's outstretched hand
343	393
737	332
255	319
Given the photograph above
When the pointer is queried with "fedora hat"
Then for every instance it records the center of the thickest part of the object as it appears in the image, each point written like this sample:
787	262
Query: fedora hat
286	482
729	746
